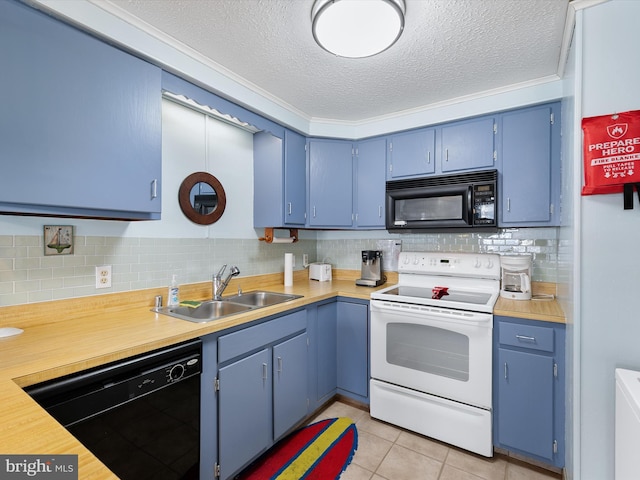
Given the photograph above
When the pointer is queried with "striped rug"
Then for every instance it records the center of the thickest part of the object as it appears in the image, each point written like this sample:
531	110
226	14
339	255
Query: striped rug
320	451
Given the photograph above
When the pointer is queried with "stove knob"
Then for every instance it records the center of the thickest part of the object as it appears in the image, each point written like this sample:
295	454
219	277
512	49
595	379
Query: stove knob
406	260
478	263
489	263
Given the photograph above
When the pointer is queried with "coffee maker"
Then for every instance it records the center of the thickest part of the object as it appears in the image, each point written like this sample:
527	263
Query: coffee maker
516	277
371	274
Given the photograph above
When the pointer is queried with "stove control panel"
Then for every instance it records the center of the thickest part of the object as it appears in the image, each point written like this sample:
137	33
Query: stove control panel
485	265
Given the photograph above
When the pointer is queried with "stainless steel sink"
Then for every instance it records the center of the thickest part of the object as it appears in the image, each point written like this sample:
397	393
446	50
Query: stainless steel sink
217	309
205	312
260	298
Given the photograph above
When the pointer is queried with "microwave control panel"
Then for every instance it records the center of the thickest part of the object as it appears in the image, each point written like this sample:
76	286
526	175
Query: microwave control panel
484	204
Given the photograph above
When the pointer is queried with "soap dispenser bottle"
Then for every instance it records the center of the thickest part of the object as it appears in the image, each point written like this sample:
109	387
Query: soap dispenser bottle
172	297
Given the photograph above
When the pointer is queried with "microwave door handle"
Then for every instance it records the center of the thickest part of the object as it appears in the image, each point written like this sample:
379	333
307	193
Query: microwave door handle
470	205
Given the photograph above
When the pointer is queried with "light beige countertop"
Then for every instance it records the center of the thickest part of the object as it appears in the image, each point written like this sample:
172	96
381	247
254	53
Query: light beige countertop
67	336
543	305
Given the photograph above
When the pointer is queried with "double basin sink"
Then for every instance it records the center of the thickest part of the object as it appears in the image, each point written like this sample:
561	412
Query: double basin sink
216	309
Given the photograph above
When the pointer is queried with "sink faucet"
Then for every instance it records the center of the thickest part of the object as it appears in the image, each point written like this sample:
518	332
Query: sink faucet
218	285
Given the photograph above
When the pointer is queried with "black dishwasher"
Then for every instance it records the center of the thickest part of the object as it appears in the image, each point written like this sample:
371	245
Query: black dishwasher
139	416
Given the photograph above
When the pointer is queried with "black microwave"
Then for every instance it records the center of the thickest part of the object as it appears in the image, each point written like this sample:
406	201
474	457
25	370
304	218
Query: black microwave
444	202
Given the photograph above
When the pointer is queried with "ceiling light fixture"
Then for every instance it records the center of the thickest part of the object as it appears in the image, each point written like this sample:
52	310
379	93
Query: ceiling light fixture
357	28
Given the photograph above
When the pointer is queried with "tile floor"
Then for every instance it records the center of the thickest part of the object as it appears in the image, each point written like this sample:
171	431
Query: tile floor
392	453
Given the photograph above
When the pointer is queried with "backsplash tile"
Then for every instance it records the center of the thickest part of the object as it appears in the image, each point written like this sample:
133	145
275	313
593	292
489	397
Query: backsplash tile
27	276
541	243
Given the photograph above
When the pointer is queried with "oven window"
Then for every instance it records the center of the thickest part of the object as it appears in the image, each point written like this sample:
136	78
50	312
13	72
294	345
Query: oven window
429	208
428	349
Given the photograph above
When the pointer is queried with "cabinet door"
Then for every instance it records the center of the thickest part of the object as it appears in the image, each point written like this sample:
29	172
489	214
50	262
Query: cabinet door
244	406
353	349
208	406
80	122
326	335
468	145
295	178
412	153
370	183
527	167
526	402
268	180
289	384
330	183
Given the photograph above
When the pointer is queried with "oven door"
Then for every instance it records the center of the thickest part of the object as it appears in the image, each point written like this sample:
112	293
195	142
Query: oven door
442	352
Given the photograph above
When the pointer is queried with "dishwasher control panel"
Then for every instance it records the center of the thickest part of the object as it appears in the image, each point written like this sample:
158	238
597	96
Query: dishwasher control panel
164	375
83	395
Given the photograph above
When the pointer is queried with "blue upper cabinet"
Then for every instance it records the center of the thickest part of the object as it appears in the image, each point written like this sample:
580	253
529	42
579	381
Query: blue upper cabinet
411	153
80	123
330	183
530	167
468	145
279	175
370	183
295	178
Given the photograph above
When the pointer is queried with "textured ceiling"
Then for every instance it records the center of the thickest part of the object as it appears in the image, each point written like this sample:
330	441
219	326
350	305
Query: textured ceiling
449	49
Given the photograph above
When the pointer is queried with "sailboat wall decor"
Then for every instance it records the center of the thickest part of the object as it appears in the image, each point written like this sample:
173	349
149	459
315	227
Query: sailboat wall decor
58	239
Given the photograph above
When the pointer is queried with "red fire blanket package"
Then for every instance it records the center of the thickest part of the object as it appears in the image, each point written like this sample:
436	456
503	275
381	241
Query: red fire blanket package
611	152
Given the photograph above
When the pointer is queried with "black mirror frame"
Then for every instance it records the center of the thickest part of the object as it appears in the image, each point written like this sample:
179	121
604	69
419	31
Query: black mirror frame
184	198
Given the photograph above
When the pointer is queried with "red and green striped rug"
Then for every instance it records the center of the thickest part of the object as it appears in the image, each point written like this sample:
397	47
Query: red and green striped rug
320	451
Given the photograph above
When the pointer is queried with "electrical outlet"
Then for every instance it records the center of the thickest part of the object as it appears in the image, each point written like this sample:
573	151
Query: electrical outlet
103	276
305	259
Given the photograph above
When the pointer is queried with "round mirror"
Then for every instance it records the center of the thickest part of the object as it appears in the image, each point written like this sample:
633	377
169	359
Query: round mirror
202	198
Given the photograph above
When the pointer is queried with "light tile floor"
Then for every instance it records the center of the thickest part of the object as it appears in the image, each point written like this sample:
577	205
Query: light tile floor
392	453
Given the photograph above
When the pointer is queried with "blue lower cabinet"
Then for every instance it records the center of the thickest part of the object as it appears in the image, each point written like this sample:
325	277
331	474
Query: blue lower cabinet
261	381
353	350
244	408
327	369
261	388
208	407
529	388
290	393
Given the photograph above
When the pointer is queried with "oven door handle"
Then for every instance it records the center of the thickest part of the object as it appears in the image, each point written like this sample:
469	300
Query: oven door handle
425	314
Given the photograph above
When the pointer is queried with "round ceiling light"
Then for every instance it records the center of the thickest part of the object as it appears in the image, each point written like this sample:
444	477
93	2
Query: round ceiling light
357	28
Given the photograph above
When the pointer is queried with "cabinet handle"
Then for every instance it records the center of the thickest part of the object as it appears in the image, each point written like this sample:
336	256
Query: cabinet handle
428	157
506	371
526	338
154	188
279	364
446	151
508	204
379	211
314	211
289	208
264	371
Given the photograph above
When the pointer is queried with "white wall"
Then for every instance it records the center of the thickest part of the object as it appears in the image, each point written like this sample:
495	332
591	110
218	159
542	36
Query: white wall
568	239
610	250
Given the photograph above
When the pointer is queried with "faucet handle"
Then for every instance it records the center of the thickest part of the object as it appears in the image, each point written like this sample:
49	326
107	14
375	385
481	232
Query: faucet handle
219	274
